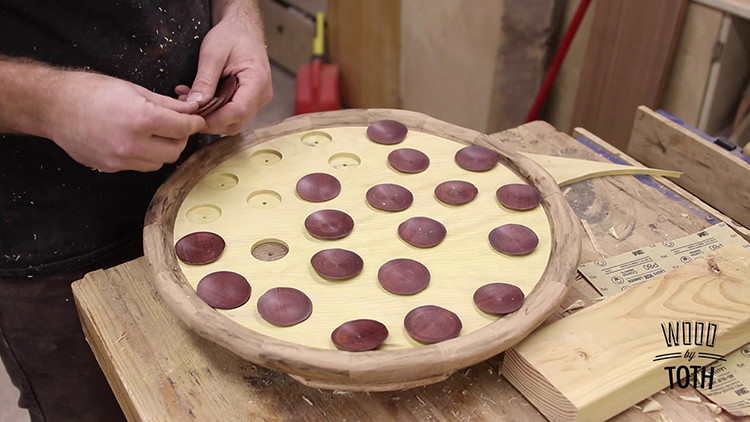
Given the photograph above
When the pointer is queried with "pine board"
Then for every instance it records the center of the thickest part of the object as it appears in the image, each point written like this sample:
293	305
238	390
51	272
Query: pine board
547	366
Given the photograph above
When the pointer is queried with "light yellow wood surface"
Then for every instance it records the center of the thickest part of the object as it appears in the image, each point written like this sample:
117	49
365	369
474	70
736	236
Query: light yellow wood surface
617	340
461	264
709	172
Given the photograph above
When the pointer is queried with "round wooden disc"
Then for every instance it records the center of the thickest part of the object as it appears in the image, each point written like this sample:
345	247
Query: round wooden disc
318	187
456	192
513	239
389	197
199	248
329	224
499	298
387	132
284	306
359	335
422	232
186	204
337	264
519	196
224	290
432	324
404	276
408	160
476	158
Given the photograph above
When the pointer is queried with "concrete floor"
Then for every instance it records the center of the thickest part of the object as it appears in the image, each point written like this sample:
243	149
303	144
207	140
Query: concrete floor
281	107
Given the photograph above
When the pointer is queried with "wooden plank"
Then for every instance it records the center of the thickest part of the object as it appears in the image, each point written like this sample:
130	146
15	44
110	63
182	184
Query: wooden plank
627	62
364	40
522	59
289	35
710	172
449	52
739	8
688	78
171	374
728	78
548	365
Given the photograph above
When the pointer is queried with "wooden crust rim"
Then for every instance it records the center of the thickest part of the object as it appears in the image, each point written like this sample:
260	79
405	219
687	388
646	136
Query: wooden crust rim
373	370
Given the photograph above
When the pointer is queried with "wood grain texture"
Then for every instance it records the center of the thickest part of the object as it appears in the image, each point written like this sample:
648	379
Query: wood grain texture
298	352
628	58
161	370
710	172
289	35
364	41
617	340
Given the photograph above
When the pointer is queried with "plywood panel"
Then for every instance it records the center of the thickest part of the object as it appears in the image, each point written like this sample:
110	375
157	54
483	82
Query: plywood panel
449	50
364	40
627	62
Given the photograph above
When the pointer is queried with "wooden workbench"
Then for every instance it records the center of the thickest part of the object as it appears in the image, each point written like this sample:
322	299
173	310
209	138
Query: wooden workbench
161	371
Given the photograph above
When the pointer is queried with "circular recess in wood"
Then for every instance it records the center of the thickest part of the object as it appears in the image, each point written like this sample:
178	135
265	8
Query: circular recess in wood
408	160
519	196
318	187
432	324
359	335
422	232
316	138
221	181
269	250
389	197
329	224
499	298
476	158
337	264
387	132
456	192
404	276
199	248
513	239
224	290
284	306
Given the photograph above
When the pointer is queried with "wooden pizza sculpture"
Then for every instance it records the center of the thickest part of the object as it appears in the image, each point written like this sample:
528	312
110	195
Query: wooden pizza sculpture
362	249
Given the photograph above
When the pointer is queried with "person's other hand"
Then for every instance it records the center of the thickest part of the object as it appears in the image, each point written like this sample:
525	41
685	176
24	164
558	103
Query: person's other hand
111	125
234	46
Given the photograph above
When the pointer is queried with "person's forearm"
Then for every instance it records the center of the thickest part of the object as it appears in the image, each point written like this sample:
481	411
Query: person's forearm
28	89
244	9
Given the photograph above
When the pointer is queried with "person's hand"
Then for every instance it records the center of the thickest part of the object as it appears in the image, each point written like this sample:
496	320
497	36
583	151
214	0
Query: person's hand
234	46
111	125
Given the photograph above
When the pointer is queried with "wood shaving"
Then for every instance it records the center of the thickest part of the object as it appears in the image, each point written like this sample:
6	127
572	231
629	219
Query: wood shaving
613	232
694	399
714	408
651	406
307	400
592	238
578	304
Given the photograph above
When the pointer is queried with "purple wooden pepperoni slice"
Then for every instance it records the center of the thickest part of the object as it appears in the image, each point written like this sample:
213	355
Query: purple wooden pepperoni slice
387	132
407	160
513	239
389	197
476	158
224	290
456	192
422	232
318	187
199	248
359	335
518	196
329	224
498	298
404	276
284	306
337	264
432	324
